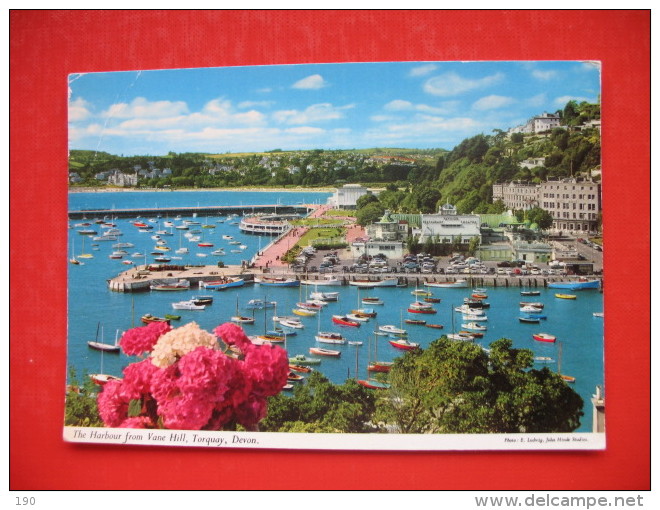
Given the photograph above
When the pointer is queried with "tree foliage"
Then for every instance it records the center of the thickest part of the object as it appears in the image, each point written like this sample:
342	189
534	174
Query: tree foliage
321	406
457	387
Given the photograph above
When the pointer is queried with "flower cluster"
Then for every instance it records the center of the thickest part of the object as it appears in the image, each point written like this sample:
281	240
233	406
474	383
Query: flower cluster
189	382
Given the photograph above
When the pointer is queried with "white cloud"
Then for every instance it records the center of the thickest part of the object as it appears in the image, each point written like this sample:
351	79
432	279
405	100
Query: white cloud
401	105
544	75
451	84
492	102
313	82
79	110
422	70
141	107
254	104
315	113
398	105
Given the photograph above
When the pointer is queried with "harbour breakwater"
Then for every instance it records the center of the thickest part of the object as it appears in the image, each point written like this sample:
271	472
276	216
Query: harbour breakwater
141	278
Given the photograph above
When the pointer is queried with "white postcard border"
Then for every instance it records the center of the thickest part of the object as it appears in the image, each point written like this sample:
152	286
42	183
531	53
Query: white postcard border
320	441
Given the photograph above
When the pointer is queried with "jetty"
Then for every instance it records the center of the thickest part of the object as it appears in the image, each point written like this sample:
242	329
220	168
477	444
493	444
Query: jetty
172	212
140	278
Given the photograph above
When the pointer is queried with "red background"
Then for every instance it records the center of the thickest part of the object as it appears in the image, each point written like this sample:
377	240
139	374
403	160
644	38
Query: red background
47	45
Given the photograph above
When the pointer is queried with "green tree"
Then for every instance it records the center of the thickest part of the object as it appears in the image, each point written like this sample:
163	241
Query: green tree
369	214
365	200
457	387
80	405
321	406
541	217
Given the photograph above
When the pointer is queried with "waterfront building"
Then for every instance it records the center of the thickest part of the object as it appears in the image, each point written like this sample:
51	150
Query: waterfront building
447	226
574	203
386	236
346	197
266	224
517	194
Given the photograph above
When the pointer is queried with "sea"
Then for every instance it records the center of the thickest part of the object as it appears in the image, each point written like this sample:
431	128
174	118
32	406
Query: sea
96	313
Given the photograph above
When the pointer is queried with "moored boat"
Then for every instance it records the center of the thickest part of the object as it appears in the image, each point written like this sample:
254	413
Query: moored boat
300	368
301	359
304	312
435	326
402	343
474	326
202	300
326	337
173	286
343	320
392	330
277	282
223	283
415	321
373	384
566	296
380	366
544	337
530	293
461	337
242	319
581	284
372	301
147	318
327	280
366	283
319	351
529	320
187	305
458	284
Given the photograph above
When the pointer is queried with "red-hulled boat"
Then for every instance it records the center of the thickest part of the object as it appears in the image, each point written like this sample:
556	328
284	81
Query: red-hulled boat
344	321
404	344
372	384
544	337
380	366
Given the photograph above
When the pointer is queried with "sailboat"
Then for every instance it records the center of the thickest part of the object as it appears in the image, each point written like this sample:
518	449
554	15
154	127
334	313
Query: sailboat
101	346
241	319
84	255
567	378
102	378
374	366
378	366
73	258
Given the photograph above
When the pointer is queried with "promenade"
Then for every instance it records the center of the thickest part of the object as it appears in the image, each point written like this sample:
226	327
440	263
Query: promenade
271	256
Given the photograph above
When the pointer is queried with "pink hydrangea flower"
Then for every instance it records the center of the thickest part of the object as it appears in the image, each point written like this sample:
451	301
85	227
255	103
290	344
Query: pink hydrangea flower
206	373
112	405
142	339
251	412
137	422
185	412
232	334
268	367
137	379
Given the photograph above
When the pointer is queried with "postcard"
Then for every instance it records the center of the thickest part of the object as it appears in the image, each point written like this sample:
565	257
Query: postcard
362	256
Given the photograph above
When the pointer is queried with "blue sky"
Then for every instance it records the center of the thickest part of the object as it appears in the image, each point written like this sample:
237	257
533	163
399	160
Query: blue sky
325	106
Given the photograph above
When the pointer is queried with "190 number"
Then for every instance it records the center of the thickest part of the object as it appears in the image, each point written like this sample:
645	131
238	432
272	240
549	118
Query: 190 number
25	501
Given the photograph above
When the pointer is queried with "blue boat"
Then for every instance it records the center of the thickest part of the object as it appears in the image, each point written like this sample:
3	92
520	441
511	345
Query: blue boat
225	283
579	285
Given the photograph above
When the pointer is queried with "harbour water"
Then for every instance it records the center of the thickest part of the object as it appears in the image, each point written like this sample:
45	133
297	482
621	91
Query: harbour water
94	308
